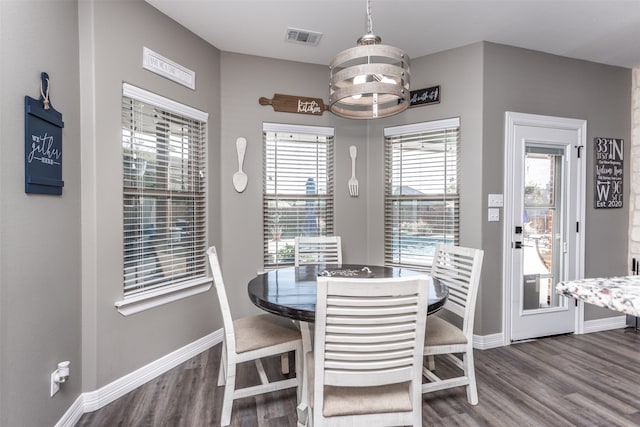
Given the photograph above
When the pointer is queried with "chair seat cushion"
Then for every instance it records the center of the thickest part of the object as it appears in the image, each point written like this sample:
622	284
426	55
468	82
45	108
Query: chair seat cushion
366	400
441	332
264	330
339	401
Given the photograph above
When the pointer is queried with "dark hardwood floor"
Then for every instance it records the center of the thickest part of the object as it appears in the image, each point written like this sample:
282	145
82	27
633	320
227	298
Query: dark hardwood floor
569	380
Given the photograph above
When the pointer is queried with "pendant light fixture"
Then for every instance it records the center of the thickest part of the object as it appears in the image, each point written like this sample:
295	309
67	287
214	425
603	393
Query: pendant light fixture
370	80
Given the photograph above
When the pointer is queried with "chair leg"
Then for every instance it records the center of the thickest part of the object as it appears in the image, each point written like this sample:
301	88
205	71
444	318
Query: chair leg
223	366
431	363
284	363
299	373
470	372
227	400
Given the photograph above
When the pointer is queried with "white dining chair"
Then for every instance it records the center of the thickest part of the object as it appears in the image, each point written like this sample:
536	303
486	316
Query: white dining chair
367	358
459	269
252	338
313	250
318	250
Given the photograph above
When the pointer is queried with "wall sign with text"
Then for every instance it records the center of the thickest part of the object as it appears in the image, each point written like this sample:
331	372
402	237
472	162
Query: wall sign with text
42	144
430	95
609	162
295	104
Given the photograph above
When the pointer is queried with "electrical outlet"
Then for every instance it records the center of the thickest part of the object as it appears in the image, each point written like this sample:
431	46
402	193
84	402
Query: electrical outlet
55	386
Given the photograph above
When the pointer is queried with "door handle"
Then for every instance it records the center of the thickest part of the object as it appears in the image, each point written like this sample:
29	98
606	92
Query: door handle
517	245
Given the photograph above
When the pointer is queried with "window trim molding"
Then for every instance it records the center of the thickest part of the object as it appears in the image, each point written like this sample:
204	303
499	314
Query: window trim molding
315	130
417	128
142	95
154	298
422	127
148	299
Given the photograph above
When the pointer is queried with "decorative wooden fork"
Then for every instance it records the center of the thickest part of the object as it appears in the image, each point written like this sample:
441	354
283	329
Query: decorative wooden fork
353	182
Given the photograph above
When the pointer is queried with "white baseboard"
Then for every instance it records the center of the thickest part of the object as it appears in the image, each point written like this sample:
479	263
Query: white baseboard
606	324
485	342
94	400
73	414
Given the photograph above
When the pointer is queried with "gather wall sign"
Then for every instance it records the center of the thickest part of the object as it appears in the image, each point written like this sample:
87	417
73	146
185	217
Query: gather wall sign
43	143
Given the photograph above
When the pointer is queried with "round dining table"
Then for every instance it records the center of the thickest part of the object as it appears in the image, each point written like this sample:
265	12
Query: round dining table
291	292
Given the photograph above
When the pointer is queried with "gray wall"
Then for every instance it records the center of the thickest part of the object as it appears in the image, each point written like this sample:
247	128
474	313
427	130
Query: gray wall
244	80
114	344
39	235
526	81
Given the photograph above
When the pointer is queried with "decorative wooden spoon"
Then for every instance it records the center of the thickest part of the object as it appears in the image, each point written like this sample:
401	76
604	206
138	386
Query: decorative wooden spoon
240	178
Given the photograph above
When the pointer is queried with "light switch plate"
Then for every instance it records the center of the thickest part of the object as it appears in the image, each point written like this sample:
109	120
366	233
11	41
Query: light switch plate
496	200
494	215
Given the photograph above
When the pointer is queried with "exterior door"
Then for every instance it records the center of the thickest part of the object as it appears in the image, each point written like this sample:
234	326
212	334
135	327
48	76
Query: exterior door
544	216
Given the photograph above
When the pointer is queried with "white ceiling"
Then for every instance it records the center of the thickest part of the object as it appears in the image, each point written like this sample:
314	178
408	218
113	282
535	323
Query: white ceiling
604	31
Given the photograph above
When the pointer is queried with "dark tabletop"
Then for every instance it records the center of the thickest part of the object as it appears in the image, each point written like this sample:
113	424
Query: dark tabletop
291	291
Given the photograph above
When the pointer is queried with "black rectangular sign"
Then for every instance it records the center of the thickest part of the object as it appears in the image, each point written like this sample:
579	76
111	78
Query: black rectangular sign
609	162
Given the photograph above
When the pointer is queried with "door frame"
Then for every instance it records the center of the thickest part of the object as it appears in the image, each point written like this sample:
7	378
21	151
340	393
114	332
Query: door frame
513	119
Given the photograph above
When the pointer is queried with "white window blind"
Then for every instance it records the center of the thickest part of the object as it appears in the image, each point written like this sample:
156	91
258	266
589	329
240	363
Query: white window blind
421	195
297	188
164	195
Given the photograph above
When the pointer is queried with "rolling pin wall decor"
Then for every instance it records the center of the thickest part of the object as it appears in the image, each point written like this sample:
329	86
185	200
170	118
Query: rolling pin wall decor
295	104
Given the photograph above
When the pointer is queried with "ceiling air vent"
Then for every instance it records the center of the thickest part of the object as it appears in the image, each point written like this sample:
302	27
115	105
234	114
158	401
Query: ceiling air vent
295	35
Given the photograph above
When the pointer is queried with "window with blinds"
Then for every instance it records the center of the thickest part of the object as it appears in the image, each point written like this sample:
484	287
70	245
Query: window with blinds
297	188
422	199
164	198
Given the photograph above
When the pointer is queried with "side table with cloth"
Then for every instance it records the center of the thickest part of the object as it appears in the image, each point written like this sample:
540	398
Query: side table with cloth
620	293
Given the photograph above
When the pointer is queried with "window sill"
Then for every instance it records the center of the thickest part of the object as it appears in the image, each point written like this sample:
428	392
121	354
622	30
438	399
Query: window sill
147	300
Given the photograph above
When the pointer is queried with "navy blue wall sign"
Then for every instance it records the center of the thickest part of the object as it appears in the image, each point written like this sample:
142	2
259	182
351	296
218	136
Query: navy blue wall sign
430	95
42	144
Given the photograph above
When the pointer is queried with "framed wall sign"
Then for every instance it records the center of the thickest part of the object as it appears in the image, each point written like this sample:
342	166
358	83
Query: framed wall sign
608	172
430	95
43	144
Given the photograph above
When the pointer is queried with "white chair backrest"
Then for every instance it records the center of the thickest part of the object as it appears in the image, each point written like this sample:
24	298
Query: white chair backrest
459	268
230	340
318	250
369	332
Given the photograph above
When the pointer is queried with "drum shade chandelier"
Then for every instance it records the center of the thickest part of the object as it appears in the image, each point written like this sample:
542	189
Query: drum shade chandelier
371	80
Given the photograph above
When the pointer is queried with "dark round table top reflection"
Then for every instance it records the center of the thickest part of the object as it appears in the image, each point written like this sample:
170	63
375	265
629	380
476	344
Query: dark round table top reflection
291	291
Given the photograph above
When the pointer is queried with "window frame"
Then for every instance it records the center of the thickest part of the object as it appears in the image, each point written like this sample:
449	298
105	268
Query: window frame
449	201
324	190
192	282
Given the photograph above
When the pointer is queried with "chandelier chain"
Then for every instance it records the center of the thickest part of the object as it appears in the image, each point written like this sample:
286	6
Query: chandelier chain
369	20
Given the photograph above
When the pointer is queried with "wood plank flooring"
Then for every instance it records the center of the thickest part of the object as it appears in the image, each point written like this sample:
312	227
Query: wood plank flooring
569	380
